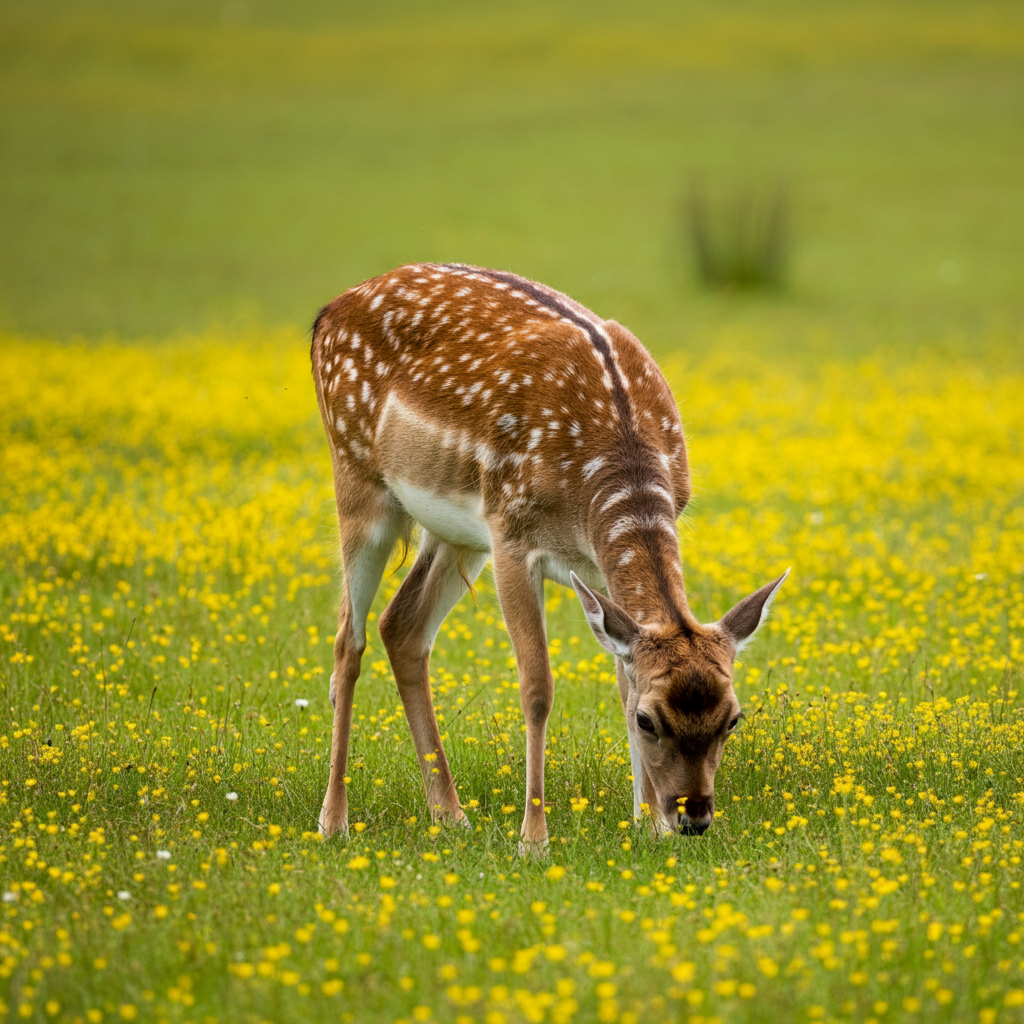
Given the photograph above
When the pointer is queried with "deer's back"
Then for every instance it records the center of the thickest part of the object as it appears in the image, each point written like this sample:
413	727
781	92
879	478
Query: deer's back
465	382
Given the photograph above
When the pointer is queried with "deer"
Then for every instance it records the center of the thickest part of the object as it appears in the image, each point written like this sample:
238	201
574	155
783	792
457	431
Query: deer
510	422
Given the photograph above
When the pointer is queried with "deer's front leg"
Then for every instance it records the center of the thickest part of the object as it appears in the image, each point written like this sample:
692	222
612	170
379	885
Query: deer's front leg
641	784
521	595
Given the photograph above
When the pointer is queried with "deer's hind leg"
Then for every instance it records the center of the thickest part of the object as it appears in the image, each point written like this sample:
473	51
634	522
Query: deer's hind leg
370	525
408	627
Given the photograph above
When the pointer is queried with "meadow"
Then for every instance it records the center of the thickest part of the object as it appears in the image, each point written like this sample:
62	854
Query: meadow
166	625
182	185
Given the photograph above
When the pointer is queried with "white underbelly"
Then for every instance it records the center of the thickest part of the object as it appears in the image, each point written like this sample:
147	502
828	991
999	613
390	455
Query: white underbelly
455	518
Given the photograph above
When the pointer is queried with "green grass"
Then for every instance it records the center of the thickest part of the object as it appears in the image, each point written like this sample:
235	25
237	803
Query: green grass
162	171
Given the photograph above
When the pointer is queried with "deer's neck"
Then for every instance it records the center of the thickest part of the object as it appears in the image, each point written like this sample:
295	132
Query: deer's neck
636	544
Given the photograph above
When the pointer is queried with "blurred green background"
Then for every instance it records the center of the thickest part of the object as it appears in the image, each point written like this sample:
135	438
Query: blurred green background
168	166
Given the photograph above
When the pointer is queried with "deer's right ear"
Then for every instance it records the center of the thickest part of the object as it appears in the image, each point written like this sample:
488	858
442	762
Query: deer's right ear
614	628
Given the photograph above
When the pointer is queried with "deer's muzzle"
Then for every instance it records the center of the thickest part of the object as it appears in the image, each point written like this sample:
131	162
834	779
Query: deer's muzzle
695	814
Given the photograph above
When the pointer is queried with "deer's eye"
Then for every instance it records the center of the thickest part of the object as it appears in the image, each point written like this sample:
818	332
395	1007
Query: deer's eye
734	723
644	722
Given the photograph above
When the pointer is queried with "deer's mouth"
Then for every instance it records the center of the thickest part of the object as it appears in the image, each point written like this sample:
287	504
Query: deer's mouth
693	828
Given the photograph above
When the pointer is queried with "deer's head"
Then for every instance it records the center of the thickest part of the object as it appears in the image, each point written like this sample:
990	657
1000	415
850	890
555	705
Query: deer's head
679	700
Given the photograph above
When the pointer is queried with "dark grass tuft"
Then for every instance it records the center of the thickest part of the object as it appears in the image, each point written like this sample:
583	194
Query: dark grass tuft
739	241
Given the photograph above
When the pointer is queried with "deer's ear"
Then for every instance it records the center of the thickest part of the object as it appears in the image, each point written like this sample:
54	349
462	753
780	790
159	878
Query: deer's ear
614	628
741	623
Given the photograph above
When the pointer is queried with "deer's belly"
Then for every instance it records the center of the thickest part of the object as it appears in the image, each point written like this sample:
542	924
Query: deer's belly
453	517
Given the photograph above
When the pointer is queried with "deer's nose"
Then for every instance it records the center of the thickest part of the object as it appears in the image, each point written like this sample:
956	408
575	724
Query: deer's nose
695	814
693	828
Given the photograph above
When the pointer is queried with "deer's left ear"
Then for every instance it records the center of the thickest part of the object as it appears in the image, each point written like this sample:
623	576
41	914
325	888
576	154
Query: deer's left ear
614	628
741	623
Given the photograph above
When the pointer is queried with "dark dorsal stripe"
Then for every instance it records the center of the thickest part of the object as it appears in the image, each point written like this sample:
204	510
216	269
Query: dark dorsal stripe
597	339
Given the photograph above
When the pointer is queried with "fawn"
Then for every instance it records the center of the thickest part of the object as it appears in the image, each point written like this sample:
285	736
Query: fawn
511	422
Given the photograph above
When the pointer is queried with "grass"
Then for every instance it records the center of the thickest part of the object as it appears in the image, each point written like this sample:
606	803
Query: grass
163	170
166	614
199	180
741	241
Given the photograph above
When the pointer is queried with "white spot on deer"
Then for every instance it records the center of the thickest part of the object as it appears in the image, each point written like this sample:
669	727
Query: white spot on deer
382	368
484	455
615	498
377	301
574	429
535	436
527	380
507	422
592	467
640	521
350	401
626	557
341	426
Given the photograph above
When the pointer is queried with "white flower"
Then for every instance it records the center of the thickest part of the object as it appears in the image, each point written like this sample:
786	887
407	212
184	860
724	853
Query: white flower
124	894
301	702
981	575
10	897
163	854
232	797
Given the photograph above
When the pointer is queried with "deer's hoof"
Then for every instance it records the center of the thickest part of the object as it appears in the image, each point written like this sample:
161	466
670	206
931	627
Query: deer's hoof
533	849
332	824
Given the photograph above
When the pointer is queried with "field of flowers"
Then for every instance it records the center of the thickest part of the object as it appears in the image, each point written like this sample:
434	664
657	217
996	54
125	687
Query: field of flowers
168	588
